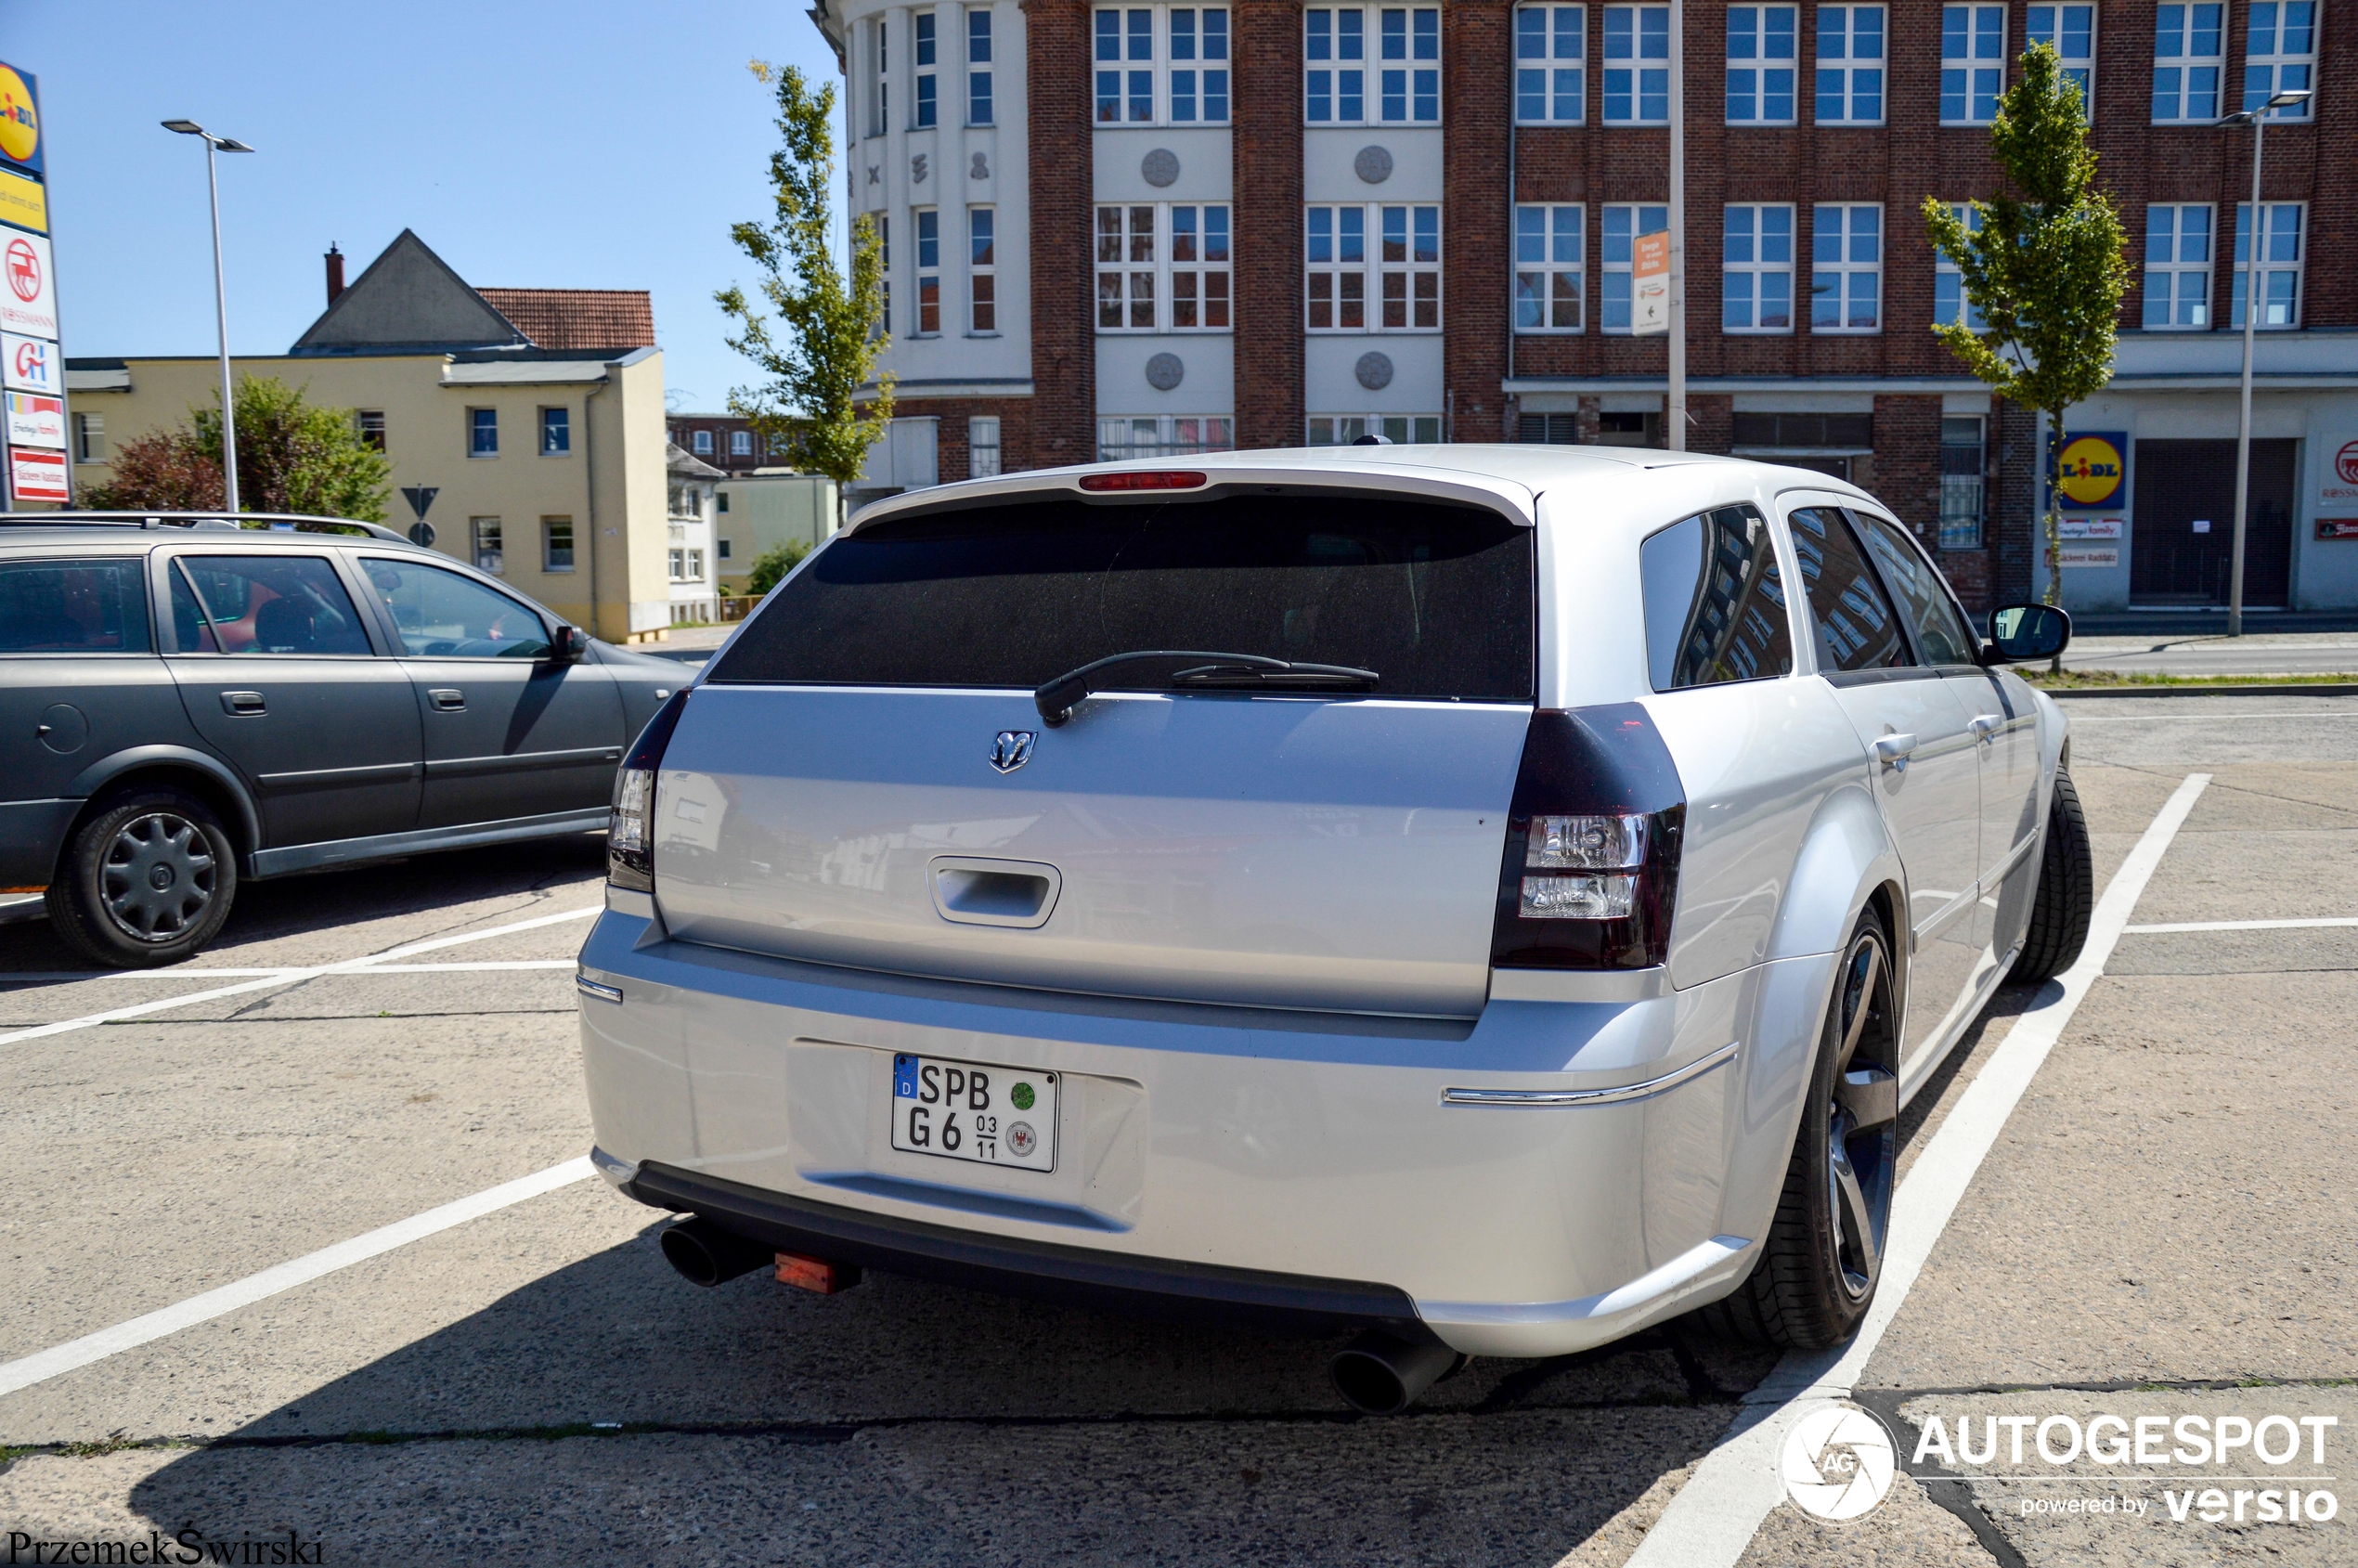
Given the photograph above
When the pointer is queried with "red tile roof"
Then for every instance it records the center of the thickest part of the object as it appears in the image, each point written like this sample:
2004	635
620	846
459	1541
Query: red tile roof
579	318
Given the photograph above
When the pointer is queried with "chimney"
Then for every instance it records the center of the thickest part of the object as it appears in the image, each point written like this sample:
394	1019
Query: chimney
335	272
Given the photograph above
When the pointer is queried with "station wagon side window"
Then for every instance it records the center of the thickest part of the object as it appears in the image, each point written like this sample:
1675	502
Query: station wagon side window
1857	627
1715	602
1941	633
287	604
89	606
442	614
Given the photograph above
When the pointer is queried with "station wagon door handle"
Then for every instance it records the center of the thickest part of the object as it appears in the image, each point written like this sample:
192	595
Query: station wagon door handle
1986	727
1892	751
243	705
447	699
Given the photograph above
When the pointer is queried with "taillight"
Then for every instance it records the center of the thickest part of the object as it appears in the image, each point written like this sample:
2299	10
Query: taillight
1591	878
631	828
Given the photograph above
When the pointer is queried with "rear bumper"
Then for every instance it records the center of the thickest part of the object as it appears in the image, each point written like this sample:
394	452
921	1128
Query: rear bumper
1290	1169
1159	1287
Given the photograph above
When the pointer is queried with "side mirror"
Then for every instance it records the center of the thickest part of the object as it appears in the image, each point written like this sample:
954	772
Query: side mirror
572	645
2019	632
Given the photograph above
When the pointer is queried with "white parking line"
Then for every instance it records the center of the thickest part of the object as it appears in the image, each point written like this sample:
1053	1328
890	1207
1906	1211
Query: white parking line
288	977
1713	1518
2242	926
42	1365
2194	717
73	976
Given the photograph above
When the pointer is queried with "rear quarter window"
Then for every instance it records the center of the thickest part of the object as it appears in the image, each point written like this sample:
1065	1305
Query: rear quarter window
1438	599
1715	602
89	606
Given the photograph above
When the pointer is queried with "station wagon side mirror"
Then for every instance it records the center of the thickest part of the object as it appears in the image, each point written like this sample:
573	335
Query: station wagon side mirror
570	646
2027	631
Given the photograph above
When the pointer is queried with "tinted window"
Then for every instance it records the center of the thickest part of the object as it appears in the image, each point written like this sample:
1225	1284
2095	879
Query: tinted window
1715	604
270	605
73	606
1856	626
445	615
1437	599
1941	632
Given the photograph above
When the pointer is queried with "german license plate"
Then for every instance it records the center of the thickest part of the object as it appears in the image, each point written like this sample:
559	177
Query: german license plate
973	1110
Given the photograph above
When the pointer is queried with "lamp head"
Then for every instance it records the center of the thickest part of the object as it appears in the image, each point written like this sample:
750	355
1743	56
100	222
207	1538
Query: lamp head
230	144
2290	97
185	127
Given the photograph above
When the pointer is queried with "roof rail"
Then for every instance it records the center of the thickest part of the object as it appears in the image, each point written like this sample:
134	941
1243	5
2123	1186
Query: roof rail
252	522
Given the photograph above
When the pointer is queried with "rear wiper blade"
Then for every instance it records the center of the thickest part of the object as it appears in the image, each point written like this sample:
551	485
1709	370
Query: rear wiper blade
1057	698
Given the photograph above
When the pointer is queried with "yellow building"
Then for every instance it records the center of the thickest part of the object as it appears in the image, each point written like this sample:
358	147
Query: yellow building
535	415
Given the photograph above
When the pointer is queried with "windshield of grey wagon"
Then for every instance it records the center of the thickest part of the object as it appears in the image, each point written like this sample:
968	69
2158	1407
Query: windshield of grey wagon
1436	598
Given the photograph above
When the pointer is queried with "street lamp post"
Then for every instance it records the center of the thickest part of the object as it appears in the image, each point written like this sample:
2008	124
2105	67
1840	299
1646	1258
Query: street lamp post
213	145
2250	237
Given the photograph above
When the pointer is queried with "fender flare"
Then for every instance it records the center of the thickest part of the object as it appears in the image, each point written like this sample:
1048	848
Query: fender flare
1846	854
106	770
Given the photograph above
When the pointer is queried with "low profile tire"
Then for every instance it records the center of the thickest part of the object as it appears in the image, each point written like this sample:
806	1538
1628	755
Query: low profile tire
1817	1273
146	880
2067	891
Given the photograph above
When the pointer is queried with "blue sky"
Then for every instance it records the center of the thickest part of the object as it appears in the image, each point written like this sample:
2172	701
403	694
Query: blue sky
589	145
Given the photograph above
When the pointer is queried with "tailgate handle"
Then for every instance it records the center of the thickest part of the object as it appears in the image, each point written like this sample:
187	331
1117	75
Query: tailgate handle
989	892
447	699
243	705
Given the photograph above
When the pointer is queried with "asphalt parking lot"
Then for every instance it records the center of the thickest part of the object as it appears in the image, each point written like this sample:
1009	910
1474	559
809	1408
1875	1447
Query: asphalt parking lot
2160	1225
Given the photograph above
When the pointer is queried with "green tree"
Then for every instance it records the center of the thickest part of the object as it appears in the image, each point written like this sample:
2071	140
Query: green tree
830	328
2047	269
292	457
770	568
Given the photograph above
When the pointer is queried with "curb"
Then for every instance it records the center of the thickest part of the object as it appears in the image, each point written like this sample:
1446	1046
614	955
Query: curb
2286	689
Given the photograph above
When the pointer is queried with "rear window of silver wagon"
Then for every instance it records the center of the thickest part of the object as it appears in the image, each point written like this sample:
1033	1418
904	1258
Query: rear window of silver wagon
1438	599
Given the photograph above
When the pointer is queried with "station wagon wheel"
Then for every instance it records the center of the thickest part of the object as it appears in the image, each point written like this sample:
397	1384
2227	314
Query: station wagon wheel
1862	1122
159	876
1819	1264
146	879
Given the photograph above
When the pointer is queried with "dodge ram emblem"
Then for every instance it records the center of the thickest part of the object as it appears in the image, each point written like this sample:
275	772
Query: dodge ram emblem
1011	750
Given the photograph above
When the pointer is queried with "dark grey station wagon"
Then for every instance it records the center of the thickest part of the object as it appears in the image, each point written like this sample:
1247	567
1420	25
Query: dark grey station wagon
185	701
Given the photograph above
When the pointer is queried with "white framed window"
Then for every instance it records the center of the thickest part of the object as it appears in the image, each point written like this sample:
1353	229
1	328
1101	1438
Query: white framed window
1343	429
556	544
1948	284
1637	65
1850	64
979	106
1755	268
2280	257
372	427
1164	435
884	283
1973	63
1199	65
1551	65
1405	259
926	106
2178	266
2280	54
2190	54
1150	253
1846	268
488	555
741	443
1161	65
1623	222
879	89
1962	460
927	321
700	443
1761	61
982	446
482	432
1550	249
1335	85
982	271
2072	31
90	439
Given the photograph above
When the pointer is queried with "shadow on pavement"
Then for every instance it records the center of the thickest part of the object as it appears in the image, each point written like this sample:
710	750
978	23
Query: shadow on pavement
921	1423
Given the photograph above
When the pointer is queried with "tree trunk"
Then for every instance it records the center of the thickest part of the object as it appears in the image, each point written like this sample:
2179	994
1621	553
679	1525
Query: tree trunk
2053	530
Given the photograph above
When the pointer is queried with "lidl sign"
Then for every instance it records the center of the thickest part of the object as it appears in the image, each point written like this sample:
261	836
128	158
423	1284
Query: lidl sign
2095	467
19	119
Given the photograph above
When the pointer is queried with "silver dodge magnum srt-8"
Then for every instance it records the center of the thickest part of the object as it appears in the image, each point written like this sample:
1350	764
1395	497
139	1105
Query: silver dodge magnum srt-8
1490	897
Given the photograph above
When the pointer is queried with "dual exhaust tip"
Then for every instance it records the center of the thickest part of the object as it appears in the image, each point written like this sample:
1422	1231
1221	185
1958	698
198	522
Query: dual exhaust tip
1376	1374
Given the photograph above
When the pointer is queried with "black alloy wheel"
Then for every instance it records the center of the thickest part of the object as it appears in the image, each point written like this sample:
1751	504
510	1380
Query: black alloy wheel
145	881
1818	1270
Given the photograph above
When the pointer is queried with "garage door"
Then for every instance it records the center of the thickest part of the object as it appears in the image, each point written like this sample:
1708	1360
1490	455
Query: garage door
2181	483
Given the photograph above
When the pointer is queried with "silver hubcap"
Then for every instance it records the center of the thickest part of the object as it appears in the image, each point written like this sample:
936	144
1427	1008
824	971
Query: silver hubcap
158	878
1862	1128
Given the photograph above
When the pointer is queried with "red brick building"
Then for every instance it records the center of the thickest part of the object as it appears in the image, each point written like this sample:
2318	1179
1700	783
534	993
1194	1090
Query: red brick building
1138	229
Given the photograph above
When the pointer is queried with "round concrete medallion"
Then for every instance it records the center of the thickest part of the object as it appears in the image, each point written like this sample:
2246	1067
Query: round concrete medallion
1160	167
1166	371
1373	164
1374	371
